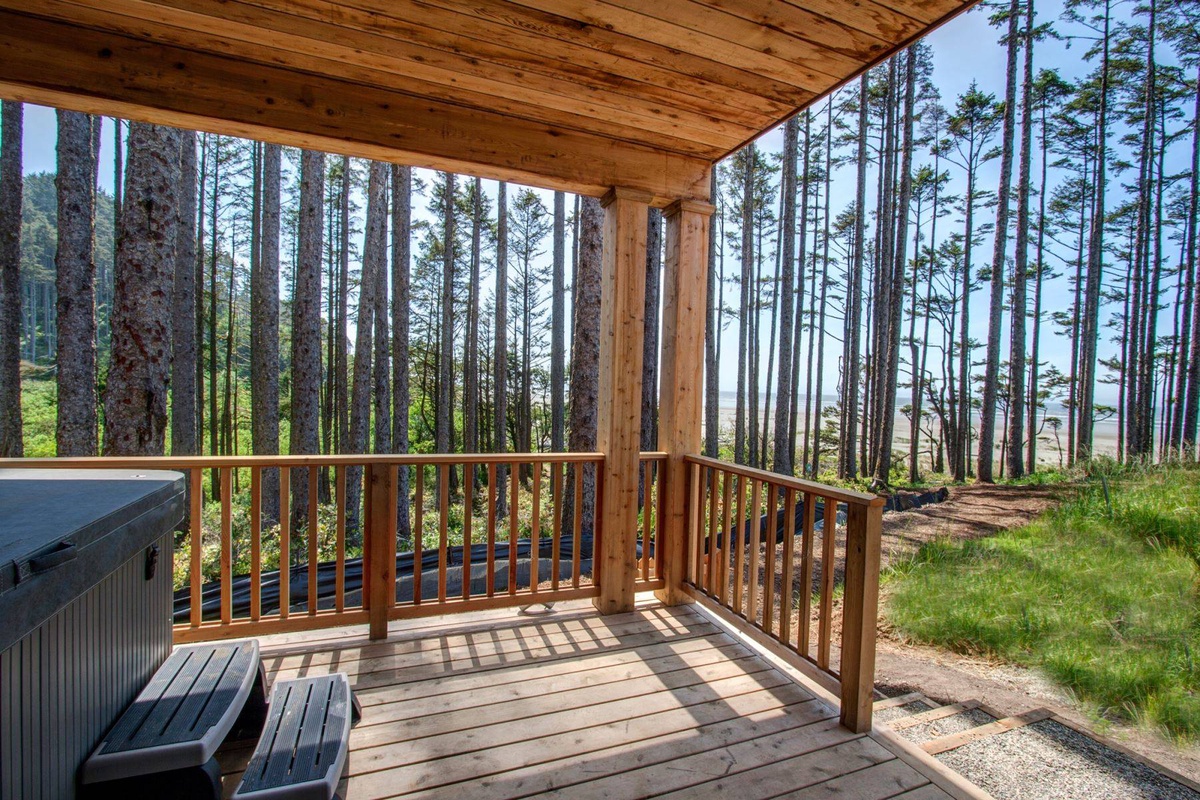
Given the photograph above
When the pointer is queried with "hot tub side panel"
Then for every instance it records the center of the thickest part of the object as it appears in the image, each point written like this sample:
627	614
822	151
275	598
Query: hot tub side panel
63	684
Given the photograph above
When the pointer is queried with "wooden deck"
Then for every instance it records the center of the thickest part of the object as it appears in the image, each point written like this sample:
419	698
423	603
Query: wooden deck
658	702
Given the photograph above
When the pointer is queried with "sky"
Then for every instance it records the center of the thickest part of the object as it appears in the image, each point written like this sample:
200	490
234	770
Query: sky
965	50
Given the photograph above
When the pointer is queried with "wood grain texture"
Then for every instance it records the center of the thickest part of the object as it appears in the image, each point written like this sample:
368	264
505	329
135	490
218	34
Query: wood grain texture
622	328
656	701
562	94
55	63
860	609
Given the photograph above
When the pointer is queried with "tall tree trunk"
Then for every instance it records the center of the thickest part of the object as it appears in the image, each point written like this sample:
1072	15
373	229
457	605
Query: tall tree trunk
341	367
887	407
374	255
135	402
214	427
12	182
184	328
471	335
798	319
199	291
1095	265
585	351
649	440
444	434
712	333
1016	393
381	406
74	261
500	349
104	283
306	327
401	294
264	331
849	431
750	155
1191	399
785	444
991	375
558	353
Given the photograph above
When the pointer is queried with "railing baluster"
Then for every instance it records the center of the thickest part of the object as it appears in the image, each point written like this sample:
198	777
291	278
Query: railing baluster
737	540
723	538
313	554
196	523
786	587
339	503
695	526
491	530
660	501
755	545
285	541
714	521
577	535
443	527
535	529
255	543
468	512
828	553
653	513
418	535
804	633
515	479
556	521
769	575
597	522
226	546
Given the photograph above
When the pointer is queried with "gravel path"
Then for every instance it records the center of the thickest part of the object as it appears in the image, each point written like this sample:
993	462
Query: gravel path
938	728
896	712
1047	761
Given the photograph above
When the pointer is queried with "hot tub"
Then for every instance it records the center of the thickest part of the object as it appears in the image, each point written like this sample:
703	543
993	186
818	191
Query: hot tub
85	612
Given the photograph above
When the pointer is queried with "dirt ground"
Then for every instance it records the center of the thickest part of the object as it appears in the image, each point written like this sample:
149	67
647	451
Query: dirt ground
974	512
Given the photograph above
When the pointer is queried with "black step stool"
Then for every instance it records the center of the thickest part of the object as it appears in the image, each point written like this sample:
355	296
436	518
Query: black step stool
163	745
302	750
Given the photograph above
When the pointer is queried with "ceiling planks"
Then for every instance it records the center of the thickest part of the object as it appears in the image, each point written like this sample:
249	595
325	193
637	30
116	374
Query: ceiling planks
573	94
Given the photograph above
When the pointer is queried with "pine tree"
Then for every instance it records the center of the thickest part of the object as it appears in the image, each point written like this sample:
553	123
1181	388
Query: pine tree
306	327
135	402
76	432
12	181
184	352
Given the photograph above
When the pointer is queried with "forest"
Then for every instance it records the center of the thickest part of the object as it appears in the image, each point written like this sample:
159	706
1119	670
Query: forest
904	286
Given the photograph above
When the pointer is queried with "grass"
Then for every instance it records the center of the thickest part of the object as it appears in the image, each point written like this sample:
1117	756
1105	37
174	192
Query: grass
1102	598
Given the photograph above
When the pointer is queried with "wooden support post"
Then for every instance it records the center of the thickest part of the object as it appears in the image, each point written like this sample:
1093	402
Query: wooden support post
381	547
860	609
618	435
681	381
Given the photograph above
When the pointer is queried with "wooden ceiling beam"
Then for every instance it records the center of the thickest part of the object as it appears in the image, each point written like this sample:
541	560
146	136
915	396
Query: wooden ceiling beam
286	35
56	63
271	45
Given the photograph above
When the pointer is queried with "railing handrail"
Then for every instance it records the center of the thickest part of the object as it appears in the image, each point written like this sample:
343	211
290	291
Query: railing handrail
352	460
789	482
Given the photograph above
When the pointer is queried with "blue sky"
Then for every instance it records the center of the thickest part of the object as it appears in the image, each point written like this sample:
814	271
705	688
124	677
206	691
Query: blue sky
965	50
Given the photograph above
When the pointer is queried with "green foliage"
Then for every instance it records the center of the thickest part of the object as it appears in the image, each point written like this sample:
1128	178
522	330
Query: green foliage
1104	603
241	544
39	410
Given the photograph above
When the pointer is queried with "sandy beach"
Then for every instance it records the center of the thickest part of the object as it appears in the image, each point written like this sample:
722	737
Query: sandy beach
1051	449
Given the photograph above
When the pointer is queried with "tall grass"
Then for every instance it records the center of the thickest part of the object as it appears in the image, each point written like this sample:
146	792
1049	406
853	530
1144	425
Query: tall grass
1101	593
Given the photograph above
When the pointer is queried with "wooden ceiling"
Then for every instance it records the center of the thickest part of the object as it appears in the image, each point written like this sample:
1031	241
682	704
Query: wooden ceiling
572	94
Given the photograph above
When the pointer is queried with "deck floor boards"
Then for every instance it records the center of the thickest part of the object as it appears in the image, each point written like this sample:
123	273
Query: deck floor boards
660	702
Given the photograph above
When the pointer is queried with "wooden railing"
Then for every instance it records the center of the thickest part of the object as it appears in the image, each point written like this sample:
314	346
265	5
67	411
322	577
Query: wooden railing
769	552
383	537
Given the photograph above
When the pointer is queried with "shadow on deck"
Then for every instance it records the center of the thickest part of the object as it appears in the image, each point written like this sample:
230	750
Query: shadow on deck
658	702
